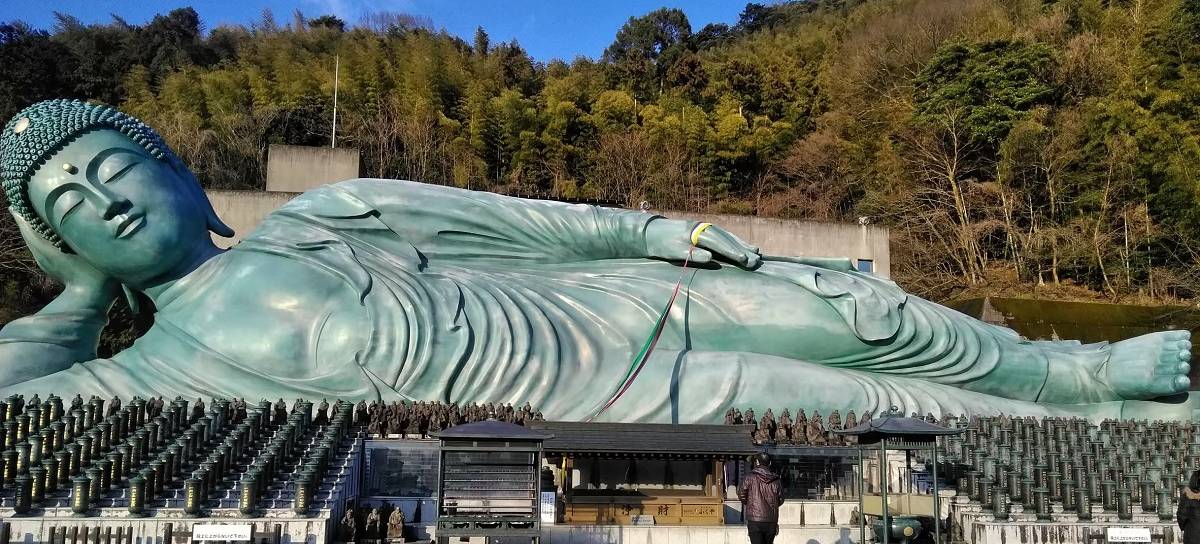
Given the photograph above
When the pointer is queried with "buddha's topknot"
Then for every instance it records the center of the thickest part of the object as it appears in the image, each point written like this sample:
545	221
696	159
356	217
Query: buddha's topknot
43	128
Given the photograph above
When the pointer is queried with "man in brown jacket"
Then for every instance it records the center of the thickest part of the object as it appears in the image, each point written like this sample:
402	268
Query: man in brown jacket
761	495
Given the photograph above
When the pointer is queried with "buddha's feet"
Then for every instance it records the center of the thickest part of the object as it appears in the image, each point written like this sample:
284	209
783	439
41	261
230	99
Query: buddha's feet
1150	366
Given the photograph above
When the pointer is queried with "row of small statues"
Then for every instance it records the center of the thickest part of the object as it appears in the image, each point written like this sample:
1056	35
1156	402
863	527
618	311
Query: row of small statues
802	430
423	418
18	404
397	418
373	526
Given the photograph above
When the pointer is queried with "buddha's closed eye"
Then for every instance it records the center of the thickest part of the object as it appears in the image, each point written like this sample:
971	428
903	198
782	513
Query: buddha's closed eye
116	165
65	203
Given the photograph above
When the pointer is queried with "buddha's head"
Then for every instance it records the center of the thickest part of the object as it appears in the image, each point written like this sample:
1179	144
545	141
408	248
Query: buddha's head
101	184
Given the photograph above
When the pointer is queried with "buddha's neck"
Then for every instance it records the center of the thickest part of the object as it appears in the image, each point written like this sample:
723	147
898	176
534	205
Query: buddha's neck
159	285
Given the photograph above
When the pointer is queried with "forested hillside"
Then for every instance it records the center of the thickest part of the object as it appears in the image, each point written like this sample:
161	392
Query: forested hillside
1008	143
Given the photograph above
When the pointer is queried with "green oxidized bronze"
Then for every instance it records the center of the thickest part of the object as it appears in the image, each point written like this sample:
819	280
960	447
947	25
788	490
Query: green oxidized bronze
400	290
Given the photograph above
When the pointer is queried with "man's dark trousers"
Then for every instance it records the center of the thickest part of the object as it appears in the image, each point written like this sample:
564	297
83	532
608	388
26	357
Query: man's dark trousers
762	532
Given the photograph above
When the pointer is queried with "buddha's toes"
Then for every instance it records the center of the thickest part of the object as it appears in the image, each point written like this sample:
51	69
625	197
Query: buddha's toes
1150	366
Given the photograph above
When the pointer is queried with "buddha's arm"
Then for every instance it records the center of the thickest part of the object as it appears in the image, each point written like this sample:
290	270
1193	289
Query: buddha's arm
464	224
63	333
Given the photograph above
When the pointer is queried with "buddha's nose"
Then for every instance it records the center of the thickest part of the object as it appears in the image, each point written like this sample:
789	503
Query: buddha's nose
111	204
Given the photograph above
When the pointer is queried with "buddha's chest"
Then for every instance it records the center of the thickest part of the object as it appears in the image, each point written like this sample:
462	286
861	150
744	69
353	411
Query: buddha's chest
277	315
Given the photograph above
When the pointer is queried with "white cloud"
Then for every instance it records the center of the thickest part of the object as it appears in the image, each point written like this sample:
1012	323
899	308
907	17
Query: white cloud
353	10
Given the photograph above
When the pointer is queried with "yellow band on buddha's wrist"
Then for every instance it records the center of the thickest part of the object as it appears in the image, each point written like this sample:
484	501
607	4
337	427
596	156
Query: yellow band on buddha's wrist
696	232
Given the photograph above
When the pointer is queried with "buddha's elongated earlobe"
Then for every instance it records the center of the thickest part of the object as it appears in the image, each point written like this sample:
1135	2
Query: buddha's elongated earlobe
214	222
131	299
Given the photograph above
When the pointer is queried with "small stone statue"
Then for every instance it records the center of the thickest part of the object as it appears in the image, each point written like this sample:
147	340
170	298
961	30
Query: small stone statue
348	527
372	526
835	424
322	413
851	422
360	413
395	525
800	428
761	436
816	430
784	433
767	425
280	411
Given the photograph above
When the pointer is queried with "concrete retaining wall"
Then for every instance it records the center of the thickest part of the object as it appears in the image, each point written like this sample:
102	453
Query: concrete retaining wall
794	238
243	210
295	169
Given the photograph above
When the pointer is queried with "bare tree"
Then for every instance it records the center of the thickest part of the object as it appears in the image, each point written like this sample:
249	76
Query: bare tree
939	154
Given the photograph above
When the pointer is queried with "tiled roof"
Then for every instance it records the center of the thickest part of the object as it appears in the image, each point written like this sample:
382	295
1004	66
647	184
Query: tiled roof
646	438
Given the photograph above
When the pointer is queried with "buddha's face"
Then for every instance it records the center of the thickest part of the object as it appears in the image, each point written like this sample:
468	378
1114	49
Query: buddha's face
127	213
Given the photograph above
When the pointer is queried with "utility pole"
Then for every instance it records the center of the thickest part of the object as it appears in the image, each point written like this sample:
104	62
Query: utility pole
336	66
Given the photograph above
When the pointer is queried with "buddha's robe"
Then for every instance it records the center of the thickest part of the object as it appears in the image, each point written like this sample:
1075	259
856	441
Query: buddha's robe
399	290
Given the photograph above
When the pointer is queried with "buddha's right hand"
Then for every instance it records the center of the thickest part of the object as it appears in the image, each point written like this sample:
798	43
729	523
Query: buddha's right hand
676	239
81	280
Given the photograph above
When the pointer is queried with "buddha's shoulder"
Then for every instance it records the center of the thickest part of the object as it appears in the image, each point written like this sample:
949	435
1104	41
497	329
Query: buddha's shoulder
353	191
366	193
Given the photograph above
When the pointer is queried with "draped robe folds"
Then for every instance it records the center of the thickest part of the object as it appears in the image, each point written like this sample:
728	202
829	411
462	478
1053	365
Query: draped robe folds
470	296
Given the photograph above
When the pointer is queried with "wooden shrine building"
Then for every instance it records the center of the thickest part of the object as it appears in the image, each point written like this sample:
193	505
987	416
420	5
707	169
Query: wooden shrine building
635	473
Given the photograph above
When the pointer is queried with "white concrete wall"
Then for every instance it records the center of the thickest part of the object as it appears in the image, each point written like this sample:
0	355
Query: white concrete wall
150	530
729	534
980	527
243	210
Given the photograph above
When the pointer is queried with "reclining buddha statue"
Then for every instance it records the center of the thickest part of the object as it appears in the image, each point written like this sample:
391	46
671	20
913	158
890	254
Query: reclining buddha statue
386	289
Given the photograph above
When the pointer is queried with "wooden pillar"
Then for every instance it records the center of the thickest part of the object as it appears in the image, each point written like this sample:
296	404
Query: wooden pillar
719	478
567	483
710	478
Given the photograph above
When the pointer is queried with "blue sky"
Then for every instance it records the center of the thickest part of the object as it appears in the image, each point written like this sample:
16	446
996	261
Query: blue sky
546	28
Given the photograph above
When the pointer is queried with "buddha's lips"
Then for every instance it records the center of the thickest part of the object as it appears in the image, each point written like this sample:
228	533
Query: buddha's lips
130	224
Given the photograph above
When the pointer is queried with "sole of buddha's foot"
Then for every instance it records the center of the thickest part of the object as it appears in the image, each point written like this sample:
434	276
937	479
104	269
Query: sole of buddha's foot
1150	366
